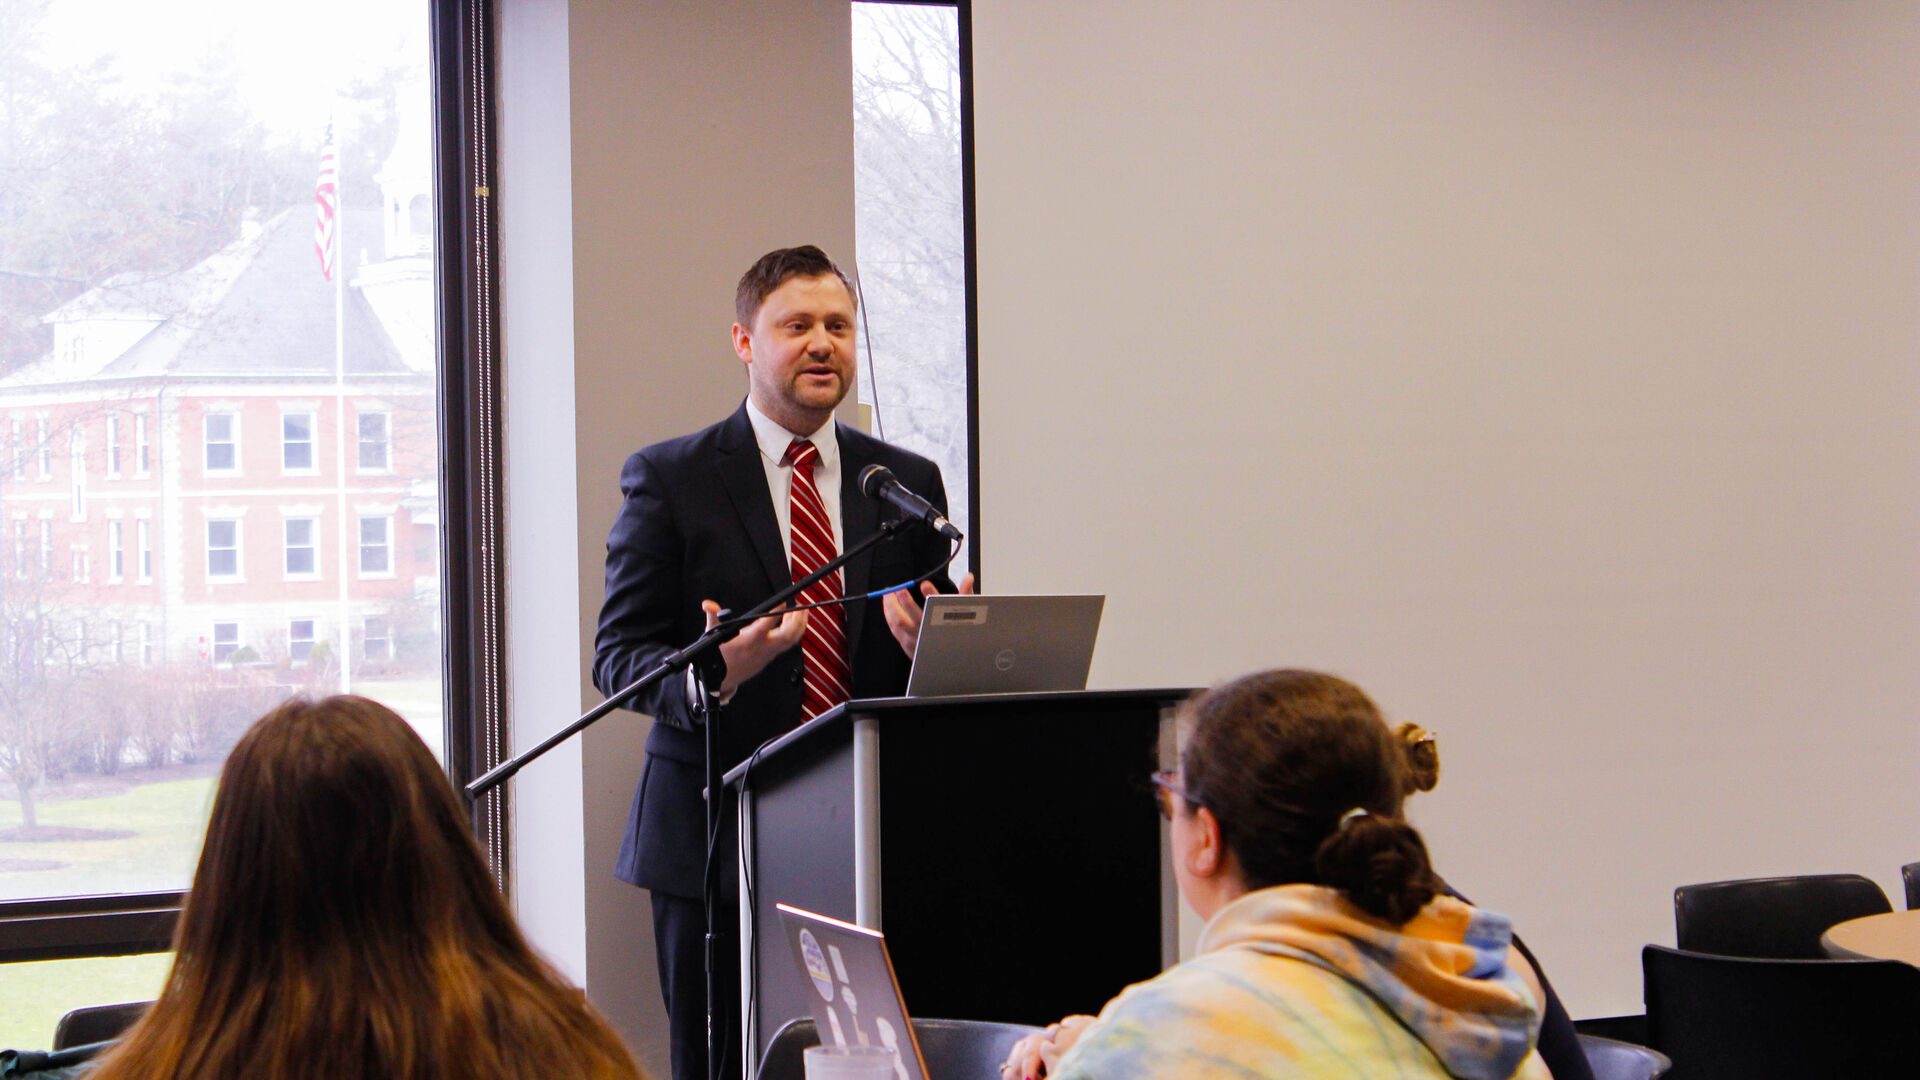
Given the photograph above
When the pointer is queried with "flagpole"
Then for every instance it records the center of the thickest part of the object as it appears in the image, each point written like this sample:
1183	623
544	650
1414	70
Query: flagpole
340	410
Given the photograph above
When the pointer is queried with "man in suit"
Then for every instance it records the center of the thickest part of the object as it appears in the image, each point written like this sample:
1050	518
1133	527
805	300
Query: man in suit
721	519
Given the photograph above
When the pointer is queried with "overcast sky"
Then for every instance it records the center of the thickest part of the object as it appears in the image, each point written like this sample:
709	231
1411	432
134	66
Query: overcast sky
290	57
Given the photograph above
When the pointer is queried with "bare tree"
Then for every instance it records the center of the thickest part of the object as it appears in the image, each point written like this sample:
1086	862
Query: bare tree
912	266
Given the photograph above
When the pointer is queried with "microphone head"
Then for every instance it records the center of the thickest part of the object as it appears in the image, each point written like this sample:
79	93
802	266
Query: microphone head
874	479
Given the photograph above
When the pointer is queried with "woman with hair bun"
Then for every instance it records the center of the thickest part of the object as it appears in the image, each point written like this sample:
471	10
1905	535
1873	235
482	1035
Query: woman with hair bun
1559	1042
1331	949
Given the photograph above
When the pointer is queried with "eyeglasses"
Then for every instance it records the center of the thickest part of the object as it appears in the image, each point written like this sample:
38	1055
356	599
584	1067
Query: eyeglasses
1166	783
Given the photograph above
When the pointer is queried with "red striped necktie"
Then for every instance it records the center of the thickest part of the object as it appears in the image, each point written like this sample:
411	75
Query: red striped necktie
823	650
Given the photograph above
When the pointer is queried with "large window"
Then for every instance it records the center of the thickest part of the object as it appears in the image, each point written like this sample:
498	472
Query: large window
166	297
909	211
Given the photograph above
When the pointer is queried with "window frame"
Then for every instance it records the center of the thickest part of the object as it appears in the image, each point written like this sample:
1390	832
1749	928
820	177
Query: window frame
232	442
312	546
214	643
360	467
360	547
116	551
472	533
312	467
239	574
143	549
312	639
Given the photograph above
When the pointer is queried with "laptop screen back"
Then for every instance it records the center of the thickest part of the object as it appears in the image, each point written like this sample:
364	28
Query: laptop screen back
1004	644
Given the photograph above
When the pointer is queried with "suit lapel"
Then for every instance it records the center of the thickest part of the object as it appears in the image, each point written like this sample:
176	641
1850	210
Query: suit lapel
746	482
859	519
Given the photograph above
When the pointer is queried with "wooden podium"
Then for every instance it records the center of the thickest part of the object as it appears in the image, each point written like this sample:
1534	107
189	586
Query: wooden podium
1007	844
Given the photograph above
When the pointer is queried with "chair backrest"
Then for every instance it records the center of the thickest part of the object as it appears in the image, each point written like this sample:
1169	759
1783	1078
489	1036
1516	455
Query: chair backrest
1611	1059
1910	877
1780	918
1728	1016
97	1023
954	1049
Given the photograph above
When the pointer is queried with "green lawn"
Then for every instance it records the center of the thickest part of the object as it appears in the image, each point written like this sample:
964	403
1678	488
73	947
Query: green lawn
33	997
166	819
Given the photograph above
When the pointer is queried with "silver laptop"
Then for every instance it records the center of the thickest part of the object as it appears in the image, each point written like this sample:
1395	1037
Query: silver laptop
1004	644
856	998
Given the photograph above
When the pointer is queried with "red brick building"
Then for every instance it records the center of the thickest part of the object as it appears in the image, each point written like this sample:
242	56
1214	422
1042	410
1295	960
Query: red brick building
195	471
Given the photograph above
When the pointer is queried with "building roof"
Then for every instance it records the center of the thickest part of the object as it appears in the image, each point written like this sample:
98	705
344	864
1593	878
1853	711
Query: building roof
257	307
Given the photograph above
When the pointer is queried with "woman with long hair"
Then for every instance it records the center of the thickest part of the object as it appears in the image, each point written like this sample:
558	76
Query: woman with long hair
343	923
1330	949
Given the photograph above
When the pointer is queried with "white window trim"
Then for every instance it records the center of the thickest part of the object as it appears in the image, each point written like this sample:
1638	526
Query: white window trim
359	546
206	442
312	642
142	466
239	575
369	410
389	652
116	551
114	448
143	550
318	572
213	641
313	440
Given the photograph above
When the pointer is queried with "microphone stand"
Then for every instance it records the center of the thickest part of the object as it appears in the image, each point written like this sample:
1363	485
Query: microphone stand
710	670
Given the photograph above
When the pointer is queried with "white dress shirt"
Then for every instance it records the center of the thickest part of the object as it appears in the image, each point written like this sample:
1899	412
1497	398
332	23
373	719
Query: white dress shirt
774	440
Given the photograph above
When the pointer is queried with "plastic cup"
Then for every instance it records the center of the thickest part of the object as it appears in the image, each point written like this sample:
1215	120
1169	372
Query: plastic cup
848	1063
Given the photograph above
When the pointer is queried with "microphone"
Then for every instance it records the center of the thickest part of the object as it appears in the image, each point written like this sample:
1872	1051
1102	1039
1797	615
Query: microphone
878	482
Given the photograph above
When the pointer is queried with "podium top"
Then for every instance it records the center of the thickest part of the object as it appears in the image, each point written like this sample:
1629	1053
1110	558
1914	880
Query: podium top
872	707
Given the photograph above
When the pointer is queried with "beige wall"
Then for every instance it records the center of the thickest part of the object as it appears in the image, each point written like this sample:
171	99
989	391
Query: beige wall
698	135
1549	369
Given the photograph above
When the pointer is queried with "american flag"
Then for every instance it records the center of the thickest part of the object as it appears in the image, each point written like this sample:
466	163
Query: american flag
325	199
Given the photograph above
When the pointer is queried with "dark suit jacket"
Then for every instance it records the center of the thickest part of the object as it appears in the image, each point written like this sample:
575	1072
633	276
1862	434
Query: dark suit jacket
698	524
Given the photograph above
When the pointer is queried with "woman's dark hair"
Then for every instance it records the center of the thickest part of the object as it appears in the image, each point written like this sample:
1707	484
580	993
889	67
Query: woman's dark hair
343	923
1281	758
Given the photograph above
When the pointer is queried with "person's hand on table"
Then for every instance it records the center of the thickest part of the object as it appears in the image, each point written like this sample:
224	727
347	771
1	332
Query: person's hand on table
903	614
757	643
1039	1054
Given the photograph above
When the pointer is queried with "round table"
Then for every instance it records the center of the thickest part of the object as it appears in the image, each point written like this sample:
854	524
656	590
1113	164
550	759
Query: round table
1894	935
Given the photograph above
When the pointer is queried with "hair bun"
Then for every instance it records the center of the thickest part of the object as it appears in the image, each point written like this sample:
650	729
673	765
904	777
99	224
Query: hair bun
1379	863
1422	753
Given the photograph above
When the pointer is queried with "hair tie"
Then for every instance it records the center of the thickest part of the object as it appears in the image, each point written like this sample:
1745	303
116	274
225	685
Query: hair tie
1356	812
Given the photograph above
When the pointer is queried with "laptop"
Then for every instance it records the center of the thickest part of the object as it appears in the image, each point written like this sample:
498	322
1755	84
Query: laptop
1004	644
856	998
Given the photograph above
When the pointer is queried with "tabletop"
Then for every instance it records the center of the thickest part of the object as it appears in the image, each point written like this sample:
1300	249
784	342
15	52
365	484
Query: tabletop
1894	935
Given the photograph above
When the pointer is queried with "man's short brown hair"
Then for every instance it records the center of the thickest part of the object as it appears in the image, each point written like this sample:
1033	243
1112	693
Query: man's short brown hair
773	269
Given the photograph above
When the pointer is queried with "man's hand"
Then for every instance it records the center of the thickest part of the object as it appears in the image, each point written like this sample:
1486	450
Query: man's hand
757	643
903	615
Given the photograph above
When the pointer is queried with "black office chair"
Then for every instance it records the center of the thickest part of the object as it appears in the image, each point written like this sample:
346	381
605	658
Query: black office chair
1612	1059
1780	918
1910	877
952	1048
97	1023
1740	1017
